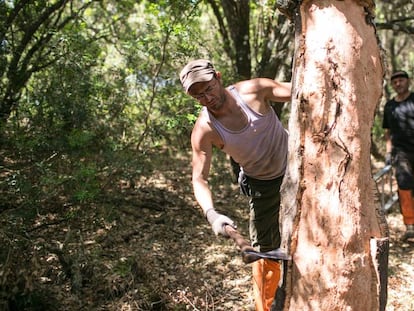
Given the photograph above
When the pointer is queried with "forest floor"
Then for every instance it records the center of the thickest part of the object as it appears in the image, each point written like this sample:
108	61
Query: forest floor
146	246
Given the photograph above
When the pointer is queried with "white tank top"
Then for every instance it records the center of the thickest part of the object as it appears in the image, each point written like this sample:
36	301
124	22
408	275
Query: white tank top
260	147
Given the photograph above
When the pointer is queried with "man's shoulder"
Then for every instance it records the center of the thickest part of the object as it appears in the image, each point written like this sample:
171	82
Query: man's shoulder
203	122
390	102
253	83
393	100
204	131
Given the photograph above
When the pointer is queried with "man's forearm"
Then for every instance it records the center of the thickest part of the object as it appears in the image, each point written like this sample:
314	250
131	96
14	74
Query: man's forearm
204	198
203	195
388	143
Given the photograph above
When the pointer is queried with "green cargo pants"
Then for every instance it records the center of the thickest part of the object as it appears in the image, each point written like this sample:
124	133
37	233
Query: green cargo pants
264	212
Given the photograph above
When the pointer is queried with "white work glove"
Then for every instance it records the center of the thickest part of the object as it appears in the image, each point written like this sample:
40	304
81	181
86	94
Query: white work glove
218	221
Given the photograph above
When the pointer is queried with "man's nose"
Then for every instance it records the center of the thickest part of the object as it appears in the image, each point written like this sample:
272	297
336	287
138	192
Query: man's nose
208	96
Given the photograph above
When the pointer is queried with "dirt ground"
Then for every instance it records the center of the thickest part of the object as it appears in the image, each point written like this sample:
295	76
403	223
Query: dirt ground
401	267
199	271
146	246
211	276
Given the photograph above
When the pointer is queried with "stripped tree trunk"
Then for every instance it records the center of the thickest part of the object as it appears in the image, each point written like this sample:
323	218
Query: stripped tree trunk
331	220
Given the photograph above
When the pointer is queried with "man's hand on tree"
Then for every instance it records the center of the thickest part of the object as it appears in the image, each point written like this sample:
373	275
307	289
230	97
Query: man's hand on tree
218	222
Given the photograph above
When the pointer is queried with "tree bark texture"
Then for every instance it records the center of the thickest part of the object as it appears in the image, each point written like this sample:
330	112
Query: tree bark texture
330	213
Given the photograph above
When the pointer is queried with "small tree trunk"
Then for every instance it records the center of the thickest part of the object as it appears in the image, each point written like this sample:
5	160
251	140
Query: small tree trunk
331	220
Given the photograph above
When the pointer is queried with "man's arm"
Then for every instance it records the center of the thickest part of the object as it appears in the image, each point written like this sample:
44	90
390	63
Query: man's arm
388	144
257	92
387	135
202	155
388	147
281	91
201	161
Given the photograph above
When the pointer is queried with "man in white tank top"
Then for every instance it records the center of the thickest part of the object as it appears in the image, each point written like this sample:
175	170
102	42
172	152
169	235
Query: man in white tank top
240	121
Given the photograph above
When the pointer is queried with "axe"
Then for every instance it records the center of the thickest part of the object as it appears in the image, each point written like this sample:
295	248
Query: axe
249	254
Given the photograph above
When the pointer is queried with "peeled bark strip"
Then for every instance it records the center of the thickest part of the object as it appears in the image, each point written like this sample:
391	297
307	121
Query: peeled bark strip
329	208
379	255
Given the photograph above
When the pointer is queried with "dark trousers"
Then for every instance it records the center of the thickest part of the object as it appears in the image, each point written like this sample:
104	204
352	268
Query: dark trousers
264	212
404	169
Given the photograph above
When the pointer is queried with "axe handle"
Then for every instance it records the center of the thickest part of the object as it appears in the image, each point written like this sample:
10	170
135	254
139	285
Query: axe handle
240	241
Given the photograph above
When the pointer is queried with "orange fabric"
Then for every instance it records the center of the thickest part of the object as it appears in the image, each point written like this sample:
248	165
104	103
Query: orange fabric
406	206
266	275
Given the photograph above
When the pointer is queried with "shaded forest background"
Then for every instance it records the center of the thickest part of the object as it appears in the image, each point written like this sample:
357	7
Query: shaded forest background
96	203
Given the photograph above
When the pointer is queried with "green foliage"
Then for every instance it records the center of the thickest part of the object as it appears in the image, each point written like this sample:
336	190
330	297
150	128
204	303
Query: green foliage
378	133
395	27
78	139
155	110
85	183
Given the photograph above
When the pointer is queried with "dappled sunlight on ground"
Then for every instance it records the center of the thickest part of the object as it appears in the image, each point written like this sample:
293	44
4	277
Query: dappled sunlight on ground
146	246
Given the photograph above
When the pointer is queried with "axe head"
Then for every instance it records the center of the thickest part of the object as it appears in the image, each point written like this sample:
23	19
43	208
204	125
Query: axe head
250	256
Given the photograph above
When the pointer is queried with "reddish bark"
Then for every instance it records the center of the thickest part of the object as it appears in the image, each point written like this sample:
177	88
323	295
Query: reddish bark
331	217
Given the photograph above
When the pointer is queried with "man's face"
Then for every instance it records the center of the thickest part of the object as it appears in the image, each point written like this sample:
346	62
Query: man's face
400	85
209	94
